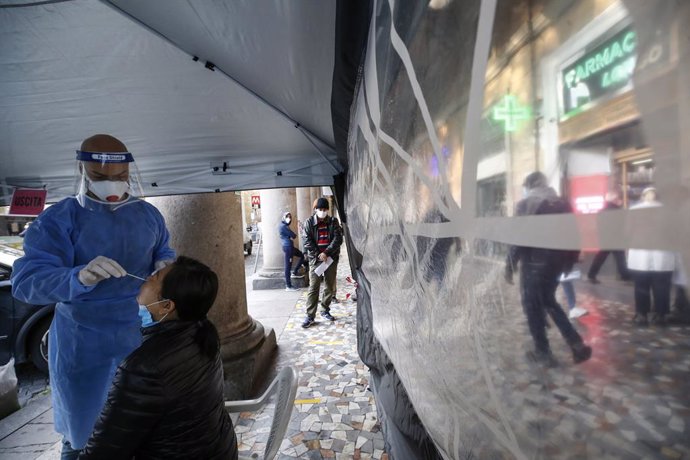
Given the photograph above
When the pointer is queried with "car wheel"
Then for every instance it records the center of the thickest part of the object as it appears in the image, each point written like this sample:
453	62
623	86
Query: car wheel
38	344
248	248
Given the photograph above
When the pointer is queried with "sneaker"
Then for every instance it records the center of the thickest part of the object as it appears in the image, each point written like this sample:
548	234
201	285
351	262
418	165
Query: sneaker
641	320
297	275
308	322
545	358
334	300
581	353
577	312
593	280
327	315
291	289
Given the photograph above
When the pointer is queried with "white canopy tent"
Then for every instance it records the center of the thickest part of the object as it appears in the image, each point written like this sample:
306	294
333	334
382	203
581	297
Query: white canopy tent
188	85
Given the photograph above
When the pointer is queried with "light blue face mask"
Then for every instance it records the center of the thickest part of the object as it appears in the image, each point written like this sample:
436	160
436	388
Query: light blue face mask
145	314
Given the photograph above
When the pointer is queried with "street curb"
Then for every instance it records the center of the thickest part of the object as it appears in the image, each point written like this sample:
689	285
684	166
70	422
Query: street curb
26	414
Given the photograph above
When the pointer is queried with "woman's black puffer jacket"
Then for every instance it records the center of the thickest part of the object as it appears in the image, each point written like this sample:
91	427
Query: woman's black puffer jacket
166	402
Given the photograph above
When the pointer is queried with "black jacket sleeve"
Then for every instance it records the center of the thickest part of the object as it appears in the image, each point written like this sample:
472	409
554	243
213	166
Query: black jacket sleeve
336	238
135	403
308	238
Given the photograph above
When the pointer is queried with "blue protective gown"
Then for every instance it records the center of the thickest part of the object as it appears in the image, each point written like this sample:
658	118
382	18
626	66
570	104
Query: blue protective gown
94	327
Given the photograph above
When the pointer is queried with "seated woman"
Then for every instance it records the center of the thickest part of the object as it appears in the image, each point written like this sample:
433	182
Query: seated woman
167	401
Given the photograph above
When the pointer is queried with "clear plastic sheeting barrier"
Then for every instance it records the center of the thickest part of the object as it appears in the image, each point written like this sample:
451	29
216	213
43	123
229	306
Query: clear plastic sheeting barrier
458	104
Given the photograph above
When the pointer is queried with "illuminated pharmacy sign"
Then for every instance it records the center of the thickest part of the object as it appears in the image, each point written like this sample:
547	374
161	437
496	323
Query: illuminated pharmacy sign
510	112
599	71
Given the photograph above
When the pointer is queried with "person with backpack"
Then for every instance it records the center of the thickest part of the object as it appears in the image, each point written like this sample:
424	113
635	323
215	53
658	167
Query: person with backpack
540	271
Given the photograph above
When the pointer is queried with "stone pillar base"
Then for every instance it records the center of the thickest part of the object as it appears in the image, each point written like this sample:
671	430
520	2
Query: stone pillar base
267	279
246	360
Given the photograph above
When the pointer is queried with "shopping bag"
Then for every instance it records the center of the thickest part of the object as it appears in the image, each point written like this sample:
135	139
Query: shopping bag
9	401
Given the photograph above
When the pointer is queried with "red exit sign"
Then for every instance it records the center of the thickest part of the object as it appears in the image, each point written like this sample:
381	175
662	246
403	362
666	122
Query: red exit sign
28	202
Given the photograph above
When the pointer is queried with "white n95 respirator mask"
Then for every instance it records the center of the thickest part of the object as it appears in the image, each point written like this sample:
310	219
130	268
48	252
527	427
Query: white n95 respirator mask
108	190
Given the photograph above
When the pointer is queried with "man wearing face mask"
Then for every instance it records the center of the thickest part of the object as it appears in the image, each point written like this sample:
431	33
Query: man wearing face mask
79	254
322	236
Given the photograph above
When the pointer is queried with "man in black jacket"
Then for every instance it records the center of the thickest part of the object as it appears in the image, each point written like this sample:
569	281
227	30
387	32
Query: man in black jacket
540	271
322	237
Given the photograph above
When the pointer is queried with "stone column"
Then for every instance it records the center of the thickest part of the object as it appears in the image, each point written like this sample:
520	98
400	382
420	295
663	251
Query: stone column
304	208
274	203
208	227
315	193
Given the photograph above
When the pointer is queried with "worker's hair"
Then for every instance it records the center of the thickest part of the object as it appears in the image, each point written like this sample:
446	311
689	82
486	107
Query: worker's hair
193	287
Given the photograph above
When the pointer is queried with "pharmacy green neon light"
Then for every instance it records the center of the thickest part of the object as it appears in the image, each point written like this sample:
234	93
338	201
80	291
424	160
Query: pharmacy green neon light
510	112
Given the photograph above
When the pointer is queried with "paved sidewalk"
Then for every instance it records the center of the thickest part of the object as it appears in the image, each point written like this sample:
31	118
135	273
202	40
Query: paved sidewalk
335	413
334	416
28	433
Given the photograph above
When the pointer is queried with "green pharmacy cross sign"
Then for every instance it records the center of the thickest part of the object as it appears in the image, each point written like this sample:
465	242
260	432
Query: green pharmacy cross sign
510	112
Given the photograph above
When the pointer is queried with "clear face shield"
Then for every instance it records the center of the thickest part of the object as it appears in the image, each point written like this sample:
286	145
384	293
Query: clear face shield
106	179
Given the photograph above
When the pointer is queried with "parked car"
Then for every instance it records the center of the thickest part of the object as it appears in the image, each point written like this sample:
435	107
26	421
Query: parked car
23	327
247	241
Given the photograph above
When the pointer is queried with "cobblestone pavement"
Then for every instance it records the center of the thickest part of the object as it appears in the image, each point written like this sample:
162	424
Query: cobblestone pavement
335	414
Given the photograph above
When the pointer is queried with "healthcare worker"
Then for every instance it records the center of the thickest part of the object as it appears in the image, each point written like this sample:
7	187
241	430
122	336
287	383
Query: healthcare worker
79	254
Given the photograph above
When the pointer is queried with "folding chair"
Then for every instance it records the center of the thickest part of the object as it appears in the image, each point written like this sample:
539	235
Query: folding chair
285	385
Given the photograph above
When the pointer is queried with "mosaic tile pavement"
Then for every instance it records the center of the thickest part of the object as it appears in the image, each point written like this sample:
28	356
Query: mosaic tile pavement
335	413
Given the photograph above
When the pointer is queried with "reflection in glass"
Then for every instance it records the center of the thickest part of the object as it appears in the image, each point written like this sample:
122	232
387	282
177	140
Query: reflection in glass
593	95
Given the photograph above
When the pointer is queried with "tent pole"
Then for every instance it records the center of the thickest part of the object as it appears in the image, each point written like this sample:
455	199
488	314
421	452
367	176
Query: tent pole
307	135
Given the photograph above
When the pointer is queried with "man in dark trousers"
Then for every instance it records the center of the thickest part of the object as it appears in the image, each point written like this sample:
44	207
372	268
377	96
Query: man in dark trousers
613	201
540	270
322	237
290	251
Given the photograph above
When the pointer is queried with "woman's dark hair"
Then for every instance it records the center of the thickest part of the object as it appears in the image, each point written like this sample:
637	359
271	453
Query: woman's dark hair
193	287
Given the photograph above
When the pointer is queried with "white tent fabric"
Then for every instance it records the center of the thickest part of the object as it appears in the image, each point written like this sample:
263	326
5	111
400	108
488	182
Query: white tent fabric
75	68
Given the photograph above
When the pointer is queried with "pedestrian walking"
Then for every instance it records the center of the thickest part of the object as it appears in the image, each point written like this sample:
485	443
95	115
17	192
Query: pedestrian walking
540	270
613	202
